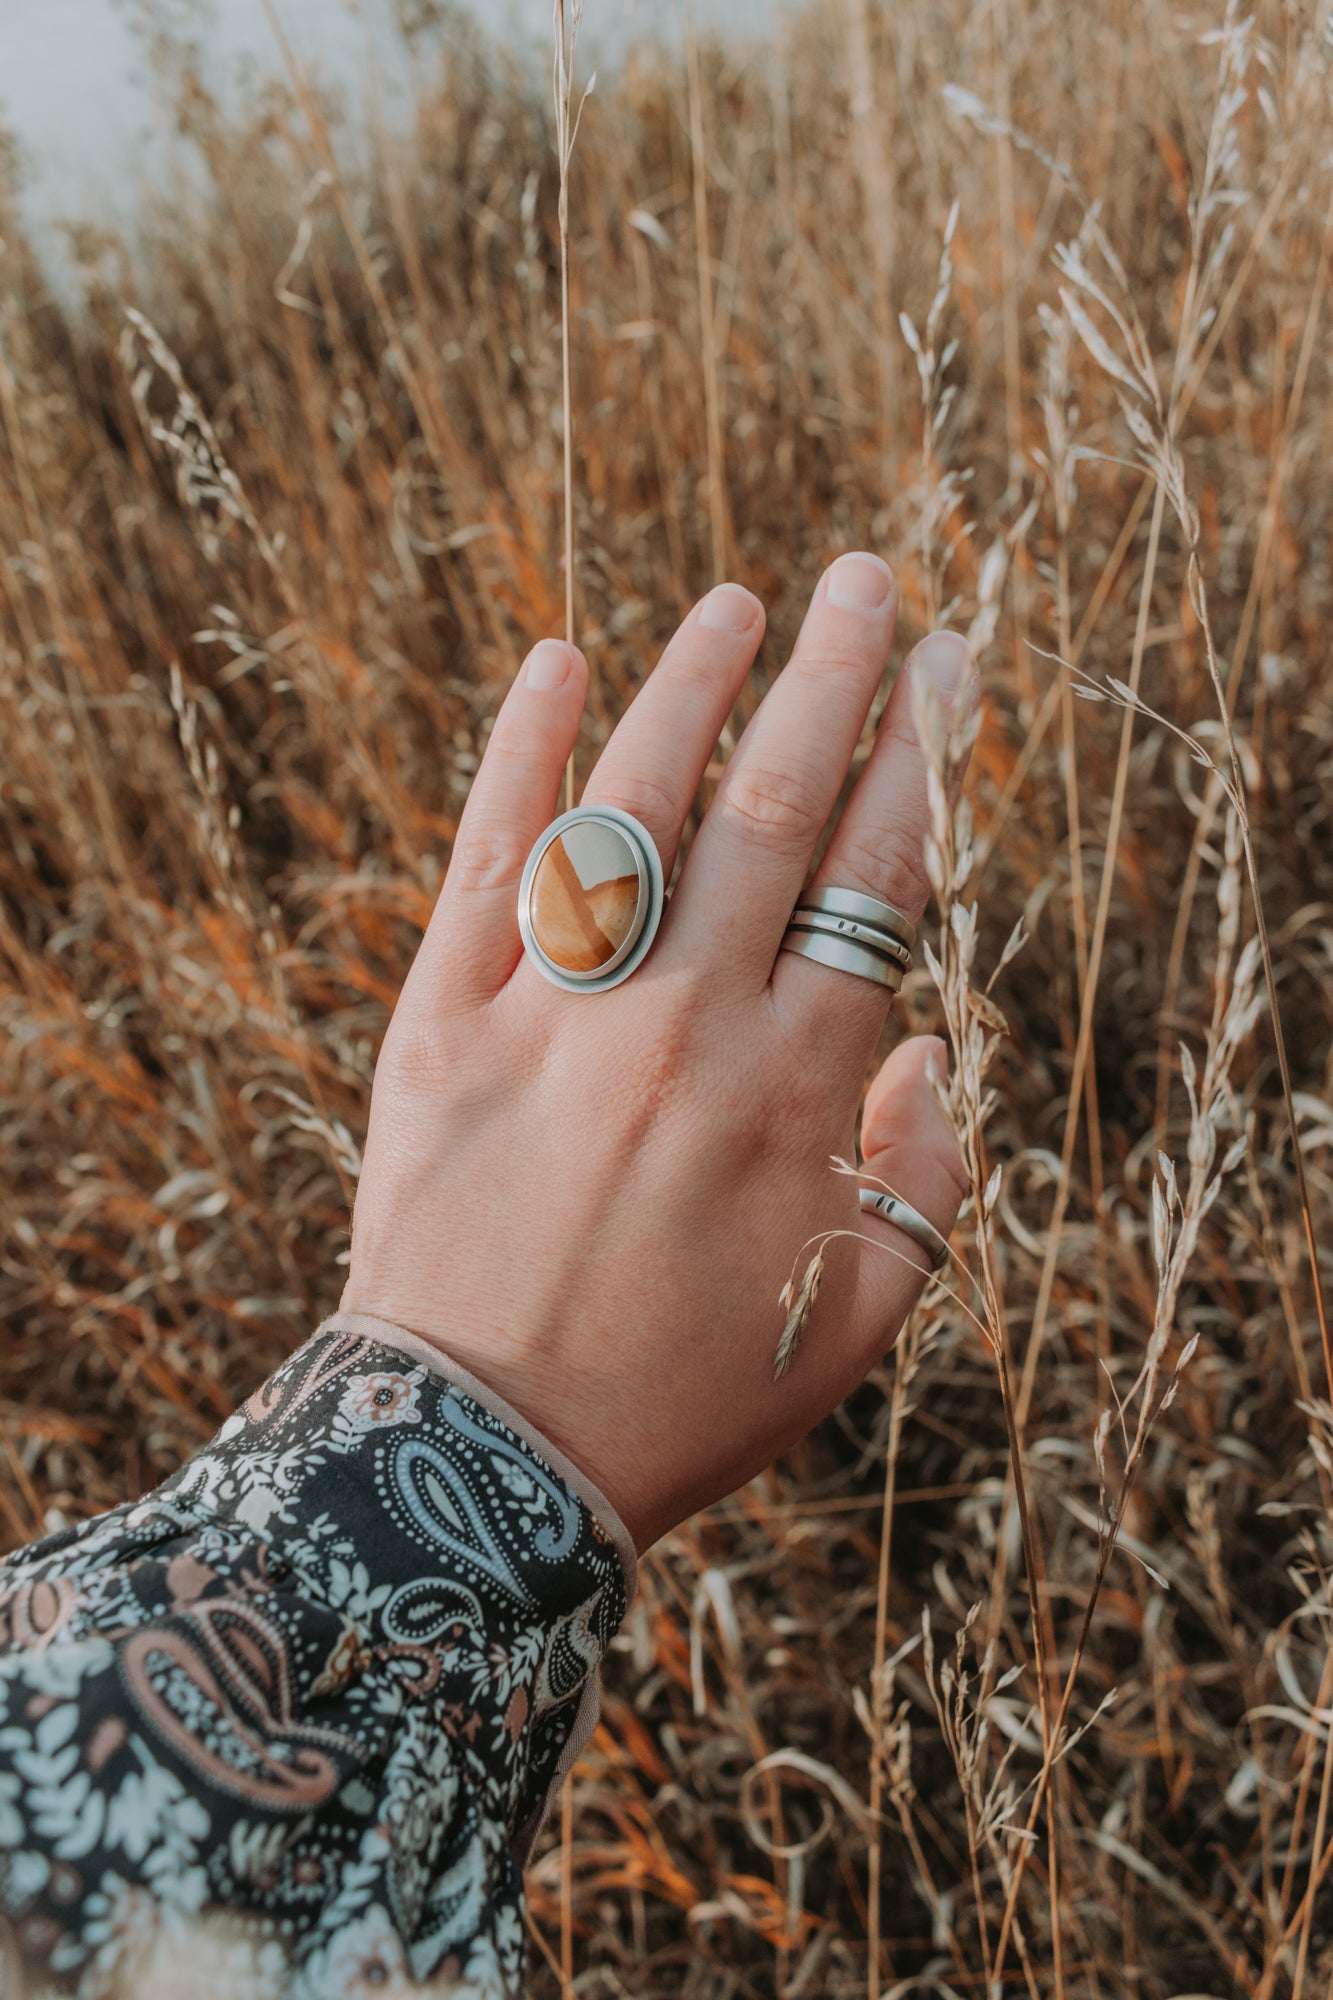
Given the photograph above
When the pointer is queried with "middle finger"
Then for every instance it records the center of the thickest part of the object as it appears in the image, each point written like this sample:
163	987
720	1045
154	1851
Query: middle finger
752	853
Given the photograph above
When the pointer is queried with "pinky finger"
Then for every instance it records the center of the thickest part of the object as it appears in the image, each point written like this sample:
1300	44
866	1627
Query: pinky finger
909	1147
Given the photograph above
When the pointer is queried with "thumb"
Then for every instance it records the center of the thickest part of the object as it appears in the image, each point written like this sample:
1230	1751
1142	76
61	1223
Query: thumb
908	1143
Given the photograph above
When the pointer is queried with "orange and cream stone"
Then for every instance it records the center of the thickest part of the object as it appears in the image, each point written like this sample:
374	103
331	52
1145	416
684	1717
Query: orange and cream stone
585	896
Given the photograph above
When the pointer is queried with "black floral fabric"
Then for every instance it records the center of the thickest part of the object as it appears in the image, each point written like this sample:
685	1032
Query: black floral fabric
291	1720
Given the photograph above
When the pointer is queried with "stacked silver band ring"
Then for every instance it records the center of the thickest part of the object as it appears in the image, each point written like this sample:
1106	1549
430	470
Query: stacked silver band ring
854	933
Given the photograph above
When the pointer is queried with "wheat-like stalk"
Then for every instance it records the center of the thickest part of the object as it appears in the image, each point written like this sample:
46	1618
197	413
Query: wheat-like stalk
567	21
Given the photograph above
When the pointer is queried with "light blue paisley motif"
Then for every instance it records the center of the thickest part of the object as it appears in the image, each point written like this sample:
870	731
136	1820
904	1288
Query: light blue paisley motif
550	1543
442	1511
419	1611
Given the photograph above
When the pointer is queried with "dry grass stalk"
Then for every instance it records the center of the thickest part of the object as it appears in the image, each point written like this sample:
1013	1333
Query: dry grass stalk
567	22
211	885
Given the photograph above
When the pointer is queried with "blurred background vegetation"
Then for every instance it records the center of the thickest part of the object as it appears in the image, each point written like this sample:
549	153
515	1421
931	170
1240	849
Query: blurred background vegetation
280	512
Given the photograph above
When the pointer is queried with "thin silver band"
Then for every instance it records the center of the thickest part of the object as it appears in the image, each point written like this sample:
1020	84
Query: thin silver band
864	909
844	956
855	930
910	1220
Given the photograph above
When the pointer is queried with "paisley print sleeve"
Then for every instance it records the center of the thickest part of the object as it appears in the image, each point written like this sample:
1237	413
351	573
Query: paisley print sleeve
296	1715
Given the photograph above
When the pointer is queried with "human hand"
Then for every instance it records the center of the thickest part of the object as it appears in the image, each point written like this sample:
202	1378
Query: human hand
591	1201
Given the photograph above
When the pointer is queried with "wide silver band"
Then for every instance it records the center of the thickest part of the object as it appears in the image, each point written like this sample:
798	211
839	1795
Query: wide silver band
845	956
910	1220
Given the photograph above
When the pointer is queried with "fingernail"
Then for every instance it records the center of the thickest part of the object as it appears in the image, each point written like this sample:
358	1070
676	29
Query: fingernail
859	583
729	608
945	657
548	665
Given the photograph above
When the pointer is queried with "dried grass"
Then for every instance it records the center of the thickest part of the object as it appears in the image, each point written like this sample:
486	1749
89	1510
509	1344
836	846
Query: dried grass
1016	1675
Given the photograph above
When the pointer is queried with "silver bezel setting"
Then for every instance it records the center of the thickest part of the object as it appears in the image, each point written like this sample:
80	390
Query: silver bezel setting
648	915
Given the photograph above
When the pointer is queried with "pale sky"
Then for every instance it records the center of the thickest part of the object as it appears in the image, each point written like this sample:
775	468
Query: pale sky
73	77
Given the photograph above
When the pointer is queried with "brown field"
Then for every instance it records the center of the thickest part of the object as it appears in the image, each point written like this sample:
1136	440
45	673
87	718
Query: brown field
280	511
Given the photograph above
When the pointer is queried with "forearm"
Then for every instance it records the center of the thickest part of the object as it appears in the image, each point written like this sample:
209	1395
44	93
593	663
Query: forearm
310	1695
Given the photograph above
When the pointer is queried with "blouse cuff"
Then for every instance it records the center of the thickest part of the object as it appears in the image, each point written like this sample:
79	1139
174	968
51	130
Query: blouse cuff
389	1334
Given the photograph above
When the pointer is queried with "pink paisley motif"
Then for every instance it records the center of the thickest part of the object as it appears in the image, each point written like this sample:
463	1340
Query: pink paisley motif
36	1612
417	1667
250	1694
267	1401
188	1578
108	1737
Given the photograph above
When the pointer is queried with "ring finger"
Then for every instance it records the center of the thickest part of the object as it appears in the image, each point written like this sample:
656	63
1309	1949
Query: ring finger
878	848
754	848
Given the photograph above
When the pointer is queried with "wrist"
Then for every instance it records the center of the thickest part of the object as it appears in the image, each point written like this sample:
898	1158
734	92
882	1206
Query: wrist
430	1354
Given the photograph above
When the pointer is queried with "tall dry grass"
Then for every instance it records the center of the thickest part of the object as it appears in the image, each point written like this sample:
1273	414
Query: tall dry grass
1017	1675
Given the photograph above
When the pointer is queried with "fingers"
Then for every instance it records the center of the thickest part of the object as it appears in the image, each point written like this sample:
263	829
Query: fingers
753	851
657	755
908	1142
472	941
877	847
651	767
659	750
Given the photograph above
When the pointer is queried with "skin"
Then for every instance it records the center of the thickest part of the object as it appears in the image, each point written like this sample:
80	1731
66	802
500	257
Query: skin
593	1201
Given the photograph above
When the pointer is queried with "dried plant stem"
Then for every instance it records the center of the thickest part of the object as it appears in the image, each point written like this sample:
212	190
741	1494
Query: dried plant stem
1317	1846
567	1888
869	129
1270	976
534	1932
1258	574
897	1407
1064	1187
1321	1858
1086	1014
1036	736
717	497
446	450
1109	1543
568	428
1008	239
566	45
1038	1609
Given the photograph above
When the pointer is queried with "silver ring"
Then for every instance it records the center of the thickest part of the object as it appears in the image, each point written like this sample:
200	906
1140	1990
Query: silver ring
855	929
840	952
864	909
910	1220
591	898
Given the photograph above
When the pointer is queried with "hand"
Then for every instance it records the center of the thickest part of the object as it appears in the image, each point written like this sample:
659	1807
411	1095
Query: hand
592	1201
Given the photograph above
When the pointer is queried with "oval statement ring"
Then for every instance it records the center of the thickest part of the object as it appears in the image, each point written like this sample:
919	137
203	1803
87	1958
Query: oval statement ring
591	898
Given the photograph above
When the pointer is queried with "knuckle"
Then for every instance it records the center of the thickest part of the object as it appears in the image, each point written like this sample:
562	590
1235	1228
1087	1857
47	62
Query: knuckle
885	858
648	799
841	667
774	807
417	1050
511	742
484	857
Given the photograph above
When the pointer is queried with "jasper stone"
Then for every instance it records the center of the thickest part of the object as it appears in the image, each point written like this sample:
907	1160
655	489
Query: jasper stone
585	896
